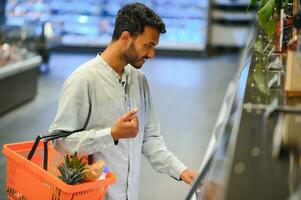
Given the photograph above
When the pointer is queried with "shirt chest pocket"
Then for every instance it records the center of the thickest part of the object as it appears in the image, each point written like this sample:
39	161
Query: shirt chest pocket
106	110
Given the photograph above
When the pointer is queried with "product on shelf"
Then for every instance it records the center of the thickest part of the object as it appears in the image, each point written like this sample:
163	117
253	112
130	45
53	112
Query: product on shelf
10	53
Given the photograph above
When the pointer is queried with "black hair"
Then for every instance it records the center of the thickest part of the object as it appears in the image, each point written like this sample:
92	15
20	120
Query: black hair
134	17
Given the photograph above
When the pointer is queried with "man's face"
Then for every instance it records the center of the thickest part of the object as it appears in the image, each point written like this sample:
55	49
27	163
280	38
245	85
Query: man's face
142	47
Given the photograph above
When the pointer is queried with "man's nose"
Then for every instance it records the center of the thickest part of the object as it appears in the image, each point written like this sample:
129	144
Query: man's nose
151	53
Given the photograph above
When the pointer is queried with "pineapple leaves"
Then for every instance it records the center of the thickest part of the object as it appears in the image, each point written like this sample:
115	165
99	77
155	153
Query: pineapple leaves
67	160
72	171
74	162
71	176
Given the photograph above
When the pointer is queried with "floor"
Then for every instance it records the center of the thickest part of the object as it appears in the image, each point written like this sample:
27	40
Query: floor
187	93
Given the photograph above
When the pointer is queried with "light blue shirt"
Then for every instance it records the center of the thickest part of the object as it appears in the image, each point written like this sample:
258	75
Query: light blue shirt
91	100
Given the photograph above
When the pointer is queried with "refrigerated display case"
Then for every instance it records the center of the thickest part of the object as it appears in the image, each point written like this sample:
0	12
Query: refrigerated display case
255	149
211	181
90	23
18	65
18	76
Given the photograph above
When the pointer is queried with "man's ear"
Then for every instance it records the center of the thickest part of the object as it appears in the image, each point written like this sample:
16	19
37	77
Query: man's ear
126	38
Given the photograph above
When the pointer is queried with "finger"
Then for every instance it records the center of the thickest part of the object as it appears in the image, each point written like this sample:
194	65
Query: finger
132	117
189	180
135	121
127	116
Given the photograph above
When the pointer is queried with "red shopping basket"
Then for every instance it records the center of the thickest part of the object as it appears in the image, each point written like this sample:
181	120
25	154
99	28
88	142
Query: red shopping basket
27	180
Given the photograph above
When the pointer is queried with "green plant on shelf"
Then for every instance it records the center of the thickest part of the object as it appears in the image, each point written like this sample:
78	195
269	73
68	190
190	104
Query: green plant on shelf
269	13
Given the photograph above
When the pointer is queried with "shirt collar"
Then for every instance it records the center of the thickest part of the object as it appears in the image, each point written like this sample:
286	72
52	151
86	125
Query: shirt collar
124	76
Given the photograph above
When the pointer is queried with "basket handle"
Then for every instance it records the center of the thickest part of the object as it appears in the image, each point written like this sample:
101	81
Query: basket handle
47	138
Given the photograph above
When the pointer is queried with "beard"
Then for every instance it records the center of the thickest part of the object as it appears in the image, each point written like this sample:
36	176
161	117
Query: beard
132	58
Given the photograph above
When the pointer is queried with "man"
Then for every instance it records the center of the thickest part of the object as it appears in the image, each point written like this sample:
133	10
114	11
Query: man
106	103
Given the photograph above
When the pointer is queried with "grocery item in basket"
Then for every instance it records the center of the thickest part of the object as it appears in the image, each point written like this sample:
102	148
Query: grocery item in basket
94	171
72	171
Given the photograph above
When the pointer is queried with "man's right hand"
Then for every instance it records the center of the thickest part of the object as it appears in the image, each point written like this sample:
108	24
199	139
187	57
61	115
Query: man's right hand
126	125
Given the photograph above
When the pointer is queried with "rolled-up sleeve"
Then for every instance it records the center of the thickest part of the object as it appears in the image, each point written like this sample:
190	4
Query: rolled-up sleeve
72	115
153	147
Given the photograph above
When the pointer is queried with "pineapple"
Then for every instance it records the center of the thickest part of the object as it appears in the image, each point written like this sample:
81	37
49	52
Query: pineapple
72	171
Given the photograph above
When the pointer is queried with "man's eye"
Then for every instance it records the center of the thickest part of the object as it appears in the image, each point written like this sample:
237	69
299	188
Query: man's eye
148	46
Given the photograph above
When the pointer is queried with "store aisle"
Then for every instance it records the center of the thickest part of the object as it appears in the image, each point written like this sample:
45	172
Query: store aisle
187	93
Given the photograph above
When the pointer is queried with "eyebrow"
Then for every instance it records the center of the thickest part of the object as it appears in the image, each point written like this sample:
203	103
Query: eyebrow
152	43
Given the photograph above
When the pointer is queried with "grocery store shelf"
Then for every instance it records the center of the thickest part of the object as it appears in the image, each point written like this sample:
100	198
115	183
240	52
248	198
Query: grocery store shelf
20	66
91	23
18	83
